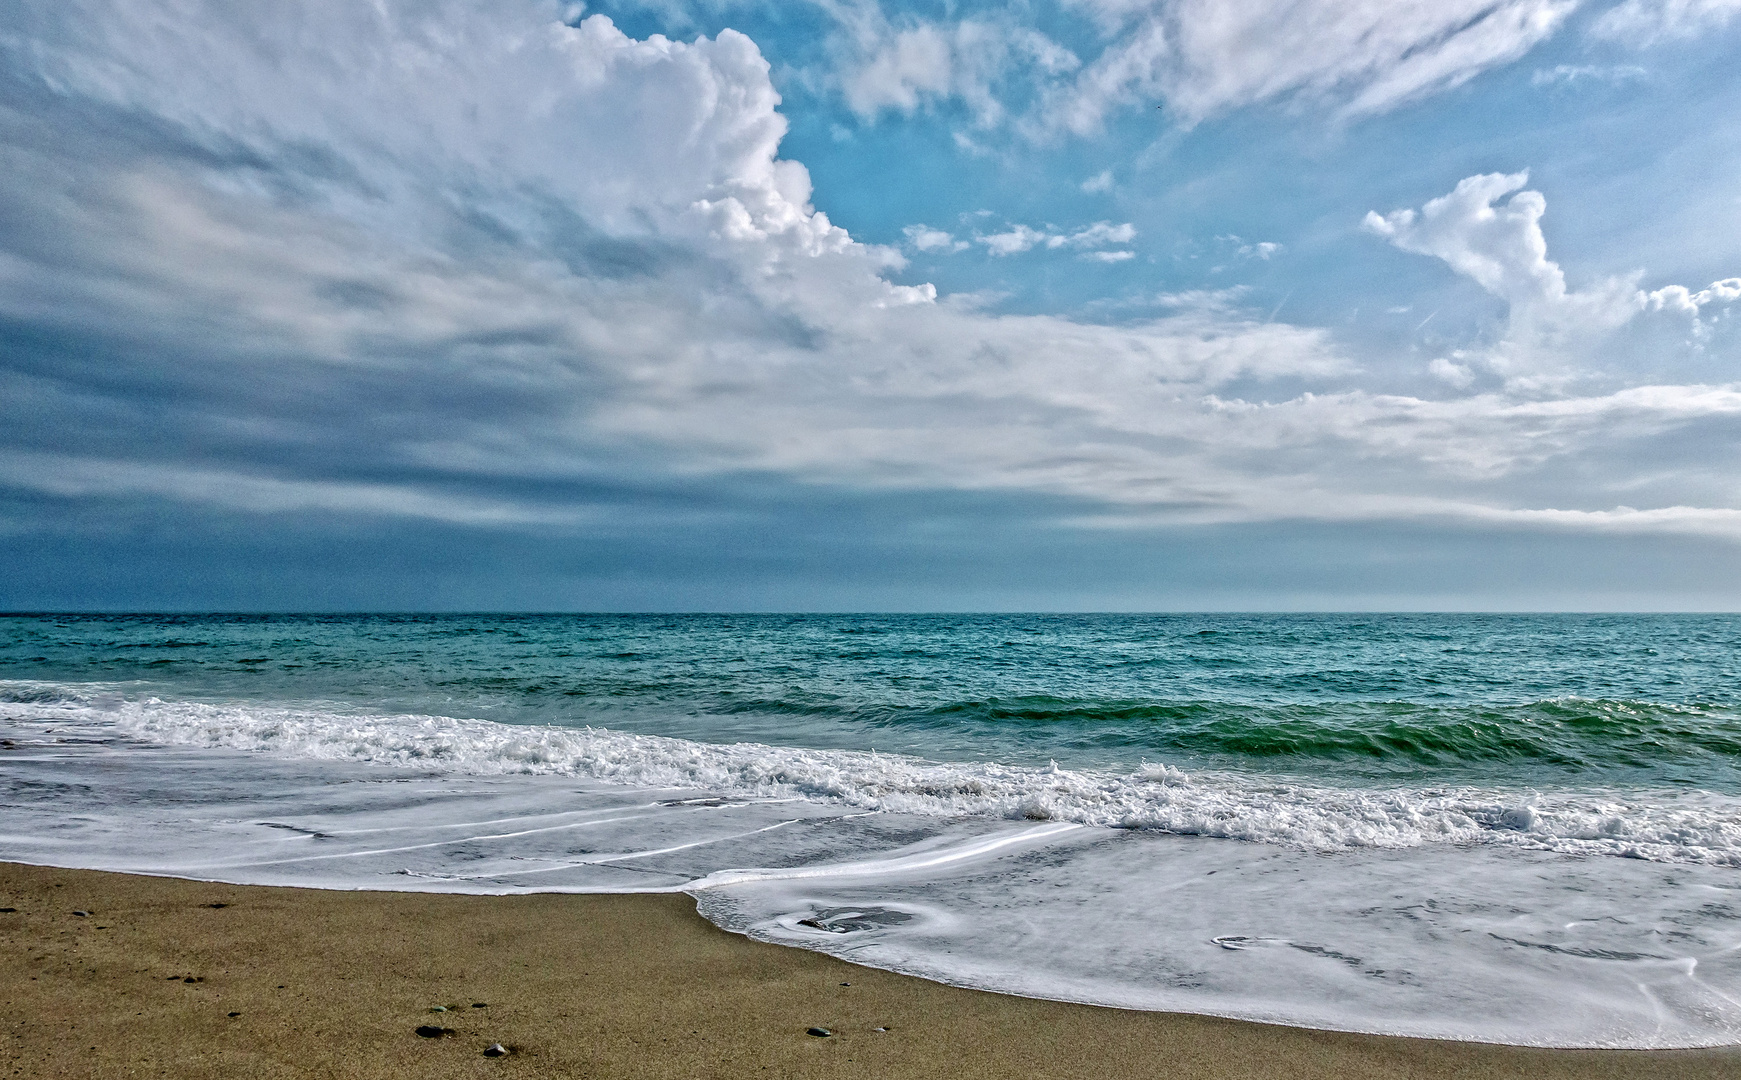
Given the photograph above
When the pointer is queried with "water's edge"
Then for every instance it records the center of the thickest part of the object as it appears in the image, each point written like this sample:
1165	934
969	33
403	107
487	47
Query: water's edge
1494	942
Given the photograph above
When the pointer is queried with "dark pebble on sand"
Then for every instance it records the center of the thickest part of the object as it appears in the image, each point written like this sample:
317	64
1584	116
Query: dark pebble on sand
495	1050
193	979
820	1033
430	1031
480	1005
235	1014
7	910
82	914
217	905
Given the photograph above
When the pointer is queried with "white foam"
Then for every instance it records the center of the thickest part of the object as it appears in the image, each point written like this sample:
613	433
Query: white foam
1360	910
1661	826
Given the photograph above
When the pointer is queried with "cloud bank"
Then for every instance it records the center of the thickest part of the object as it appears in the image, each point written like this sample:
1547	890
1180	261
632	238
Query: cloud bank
466	262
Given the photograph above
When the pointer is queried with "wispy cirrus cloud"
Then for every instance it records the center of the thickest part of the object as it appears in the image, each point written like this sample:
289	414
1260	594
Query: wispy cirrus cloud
1200	59
1196	58
1647	22
1020	238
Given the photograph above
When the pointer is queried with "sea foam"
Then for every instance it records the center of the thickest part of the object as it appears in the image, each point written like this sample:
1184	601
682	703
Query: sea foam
1671	826
1470	915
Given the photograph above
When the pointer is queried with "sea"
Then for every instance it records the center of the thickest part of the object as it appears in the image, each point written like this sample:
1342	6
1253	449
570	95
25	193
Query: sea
1507	828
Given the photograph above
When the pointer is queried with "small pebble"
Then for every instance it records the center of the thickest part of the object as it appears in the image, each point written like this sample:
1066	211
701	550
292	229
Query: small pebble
439	1008
82	914
430	1031
880	1029
846	984
495	1050
820	1033
193	979
480	1005
7	910
235	1014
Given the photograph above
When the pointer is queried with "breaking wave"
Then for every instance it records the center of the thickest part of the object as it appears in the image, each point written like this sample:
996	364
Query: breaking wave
1657	825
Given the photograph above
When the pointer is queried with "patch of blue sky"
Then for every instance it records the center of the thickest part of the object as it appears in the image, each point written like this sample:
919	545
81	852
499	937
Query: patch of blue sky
1264	198
1361	296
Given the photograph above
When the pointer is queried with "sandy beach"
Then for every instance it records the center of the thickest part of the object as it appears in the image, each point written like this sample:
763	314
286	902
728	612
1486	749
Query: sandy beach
163	977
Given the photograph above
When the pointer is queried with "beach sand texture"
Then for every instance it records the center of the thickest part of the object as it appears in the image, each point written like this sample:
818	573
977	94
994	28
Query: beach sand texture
309	983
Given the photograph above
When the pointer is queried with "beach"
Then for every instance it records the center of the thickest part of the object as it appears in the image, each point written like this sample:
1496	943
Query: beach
306	982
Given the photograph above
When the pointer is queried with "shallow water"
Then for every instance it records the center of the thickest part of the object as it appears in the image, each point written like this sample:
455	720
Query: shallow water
1520	829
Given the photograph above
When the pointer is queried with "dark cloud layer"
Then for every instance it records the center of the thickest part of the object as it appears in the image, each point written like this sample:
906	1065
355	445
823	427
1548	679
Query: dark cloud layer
754	550
455	306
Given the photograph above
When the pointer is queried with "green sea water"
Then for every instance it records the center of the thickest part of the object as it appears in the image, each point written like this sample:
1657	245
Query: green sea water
1520	699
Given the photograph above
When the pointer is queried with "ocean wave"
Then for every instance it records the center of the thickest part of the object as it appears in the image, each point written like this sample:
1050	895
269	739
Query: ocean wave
1662	826
1592	734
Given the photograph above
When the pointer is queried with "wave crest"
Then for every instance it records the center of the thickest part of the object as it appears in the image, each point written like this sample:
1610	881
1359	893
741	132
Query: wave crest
1696	827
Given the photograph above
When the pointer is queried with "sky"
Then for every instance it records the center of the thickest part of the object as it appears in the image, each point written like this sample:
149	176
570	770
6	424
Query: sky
853	305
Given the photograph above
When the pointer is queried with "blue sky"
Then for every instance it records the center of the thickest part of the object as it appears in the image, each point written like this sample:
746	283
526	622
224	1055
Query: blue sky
1106	304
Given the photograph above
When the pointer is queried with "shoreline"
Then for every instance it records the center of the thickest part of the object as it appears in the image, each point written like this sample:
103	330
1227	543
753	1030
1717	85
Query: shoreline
302	982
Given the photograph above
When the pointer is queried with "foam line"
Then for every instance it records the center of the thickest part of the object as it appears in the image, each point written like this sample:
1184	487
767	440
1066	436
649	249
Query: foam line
449	843
900	864
606	860
1663	826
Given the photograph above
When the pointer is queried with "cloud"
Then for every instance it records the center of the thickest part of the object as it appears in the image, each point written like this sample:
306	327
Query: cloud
460	262
1263	250
1449	371
1502	249
1680	298
1099	234
1199	58
1020	238
925	238
903	69
1646	22
1202	58
912	65
1573	74
1013	241
1100	182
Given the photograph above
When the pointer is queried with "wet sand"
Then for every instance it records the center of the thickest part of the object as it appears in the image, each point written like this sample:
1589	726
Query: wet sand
165	977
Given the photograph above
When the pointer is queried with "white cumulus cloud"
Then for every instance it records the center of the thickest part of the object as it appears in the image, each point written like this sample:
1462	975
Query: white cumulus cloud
1500	246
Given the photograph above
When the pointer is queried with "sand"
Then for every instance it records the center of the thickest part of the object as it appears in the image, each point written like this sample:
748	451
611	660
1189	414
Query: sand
165	977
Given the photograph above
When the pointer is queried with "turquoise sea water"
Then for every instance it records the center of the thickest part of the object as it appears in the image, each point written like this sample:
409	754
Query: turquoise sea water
1515	828
1560	699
